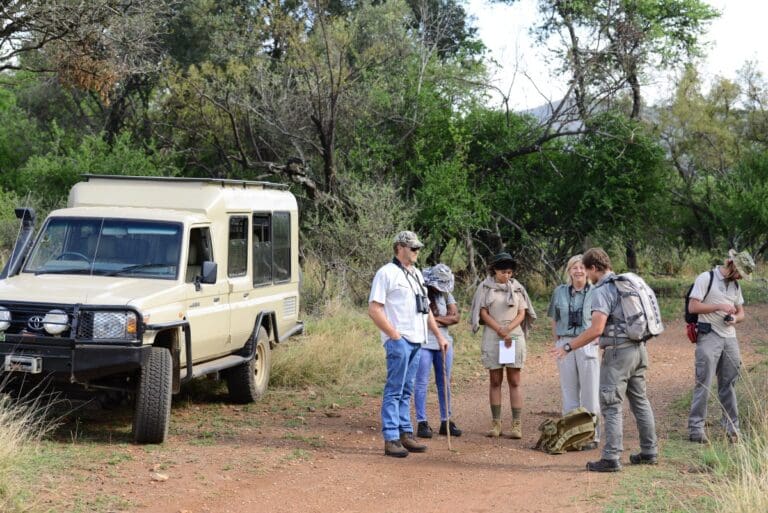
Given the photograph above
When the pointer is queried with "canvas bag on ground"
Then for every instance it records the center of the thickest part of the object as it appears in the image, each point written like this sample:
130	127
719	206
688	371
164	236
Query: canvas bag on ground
641	308
570	433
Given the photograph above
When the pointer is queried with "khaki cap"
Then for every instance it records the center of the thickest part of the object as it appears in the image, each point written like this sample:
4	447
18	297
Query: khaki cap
407	238
743	263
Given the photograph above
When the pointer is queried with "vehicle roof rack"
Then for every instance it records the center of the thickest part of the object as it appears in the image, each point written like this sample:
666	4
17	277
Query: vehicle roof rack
180	179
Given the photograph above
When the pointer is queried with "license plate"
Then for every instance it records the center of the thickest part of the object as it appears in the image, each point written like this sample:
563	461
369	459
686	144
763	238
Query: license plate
16	363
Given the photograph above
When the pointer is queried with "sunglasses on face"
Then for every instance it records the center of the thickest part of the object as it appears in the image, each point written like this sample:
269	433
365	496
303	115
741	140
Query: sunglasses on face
415	250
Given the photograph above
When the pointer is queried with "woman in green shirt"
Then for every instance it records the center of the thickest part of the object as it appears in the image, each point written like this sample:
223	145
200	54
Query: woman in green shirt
570	311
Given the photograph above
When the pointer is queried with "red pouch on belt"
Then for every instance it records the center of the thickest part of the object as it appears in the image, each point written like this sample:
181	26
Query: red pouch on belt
692	331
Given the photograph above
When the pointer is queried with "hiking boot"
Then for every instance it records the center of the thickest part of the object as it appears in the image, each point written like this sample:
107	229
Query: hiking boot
410	443
643	459
604	466
732	437
699	439
591	446
454	430
423	430
495	431
395	449
516	433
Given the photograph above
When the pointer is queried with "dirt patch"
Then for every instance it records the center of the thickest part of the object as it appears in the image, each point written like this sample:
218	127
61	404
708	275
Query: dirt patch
279	459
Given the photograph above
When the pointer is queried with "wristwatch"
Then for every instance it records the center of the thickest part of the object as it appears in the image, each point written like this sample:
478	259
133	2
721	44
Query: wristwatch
567	347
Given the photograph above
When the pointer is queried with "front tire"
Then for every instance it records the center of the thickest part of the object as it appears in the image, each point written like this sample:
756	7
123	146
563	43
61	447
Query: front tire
248	381
152	411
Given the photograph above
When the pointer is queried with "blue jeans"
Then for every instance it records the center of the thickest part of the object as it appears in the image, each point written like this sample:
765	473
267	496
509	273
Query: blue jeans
402	362
428	359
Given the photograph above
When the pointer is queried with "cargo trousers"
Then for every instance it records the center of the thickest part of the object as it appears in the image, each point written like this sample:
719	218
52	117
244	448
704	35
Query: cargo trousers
622	374
715	356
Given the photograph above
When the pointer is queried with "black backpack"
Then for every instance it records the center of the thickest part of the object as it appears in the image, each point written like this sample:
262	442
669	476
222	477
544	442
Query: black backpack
692	318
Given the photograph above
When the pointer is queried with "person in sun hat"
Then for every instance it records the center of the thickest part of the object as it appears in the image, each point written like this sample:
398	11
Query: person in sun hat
399	307
439	280
502	305
716	297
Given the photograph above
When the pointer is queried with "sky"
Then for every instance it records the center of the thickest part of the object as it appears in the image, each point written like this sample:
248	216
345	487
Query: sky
737	36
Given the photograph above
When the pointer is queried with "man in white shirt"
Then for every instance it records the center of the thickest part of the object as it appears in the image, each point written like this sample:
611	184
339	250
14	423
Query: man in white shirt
399	307
717	298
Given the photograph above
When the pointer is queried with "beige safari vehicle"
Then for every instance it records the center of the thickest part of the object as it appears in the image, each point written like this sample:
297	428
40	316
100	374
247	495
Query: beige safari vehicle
143	283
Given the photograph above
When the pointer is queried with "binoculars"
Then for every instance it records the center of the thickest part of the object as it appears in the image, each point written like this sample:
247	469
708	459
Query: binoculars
575	318
422	304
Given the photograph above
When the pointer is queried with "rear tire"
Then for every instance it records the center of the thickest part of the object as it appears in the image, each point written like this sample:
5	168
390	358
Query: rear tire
248	381
152	411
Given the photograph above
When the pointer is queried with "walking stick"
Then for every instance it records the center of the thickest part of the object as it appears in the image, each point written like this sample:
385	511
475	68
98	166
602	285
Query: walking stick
446	385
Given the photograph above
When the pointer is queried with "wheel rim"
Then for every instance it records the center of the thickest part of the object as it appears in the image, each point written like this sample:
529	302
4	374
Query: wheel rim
259	364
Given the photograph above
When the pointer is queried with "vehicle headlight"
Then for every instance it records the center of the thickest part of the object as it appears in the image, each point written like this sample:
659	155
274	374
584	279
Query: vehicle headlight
56	322
118	325
5	318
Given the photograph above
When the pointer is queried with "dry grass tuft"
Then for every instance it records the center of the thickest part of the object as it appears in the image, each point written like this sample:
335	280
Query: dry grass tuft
744	488
22	423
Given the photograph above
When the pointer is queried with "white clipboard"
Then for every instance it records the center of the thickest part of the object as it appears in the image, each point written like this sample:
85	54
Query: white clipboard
507	354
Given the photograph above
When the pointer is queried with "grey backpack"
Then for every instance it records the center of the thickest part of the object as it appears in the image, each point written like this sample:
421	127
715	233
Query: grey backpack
641	308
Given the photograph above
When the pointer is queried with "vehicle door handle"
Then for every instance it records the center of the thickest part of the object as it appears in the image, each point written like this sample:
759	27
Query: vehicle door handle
246	294
216	299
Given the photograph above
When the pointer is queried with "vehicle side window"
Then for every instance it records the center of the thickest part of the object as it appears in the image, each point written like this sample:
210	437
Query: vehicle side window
237	258
281	229
200	250
262	249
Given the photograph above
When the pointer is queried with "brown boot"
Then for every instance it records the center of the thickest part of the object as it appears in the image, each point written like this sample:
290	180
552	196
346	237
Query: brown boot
411	444
395	449
495	431
516	432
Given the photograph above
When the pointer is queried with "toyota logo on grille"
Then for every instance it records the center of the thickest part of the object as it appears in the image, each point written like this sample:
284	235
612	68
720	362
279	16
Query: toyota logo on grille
35	322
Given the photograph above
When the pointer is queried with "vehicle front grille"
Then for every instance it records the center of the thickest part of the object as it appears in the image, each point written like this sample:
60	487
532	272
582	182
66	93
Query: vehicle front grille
28	317
85	326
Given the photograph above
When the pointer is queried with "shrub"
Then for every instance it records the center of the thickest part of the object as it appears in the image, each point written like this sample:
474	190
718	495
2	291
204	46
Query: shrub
345	243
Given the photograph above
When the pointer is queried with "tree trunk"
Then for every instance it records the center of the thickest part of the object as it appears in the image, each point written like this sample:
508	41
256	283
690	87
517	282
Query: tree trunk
631	256
471	268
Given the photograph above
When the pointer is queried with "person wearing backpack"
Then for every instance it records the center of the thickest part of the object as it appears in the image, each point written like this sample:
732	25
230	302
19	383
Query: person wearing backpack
622	370
571	313
716	298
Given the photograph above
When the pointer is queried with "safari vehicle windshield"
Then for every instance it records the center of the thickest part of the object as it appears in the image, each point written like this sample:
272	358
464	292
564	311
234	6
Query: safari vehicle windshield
107	247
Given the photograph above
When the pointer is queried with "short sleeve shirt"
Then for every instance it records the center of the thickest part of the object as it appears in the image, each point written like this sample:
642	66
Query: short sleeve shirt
566	302
722	292
605	299
396	289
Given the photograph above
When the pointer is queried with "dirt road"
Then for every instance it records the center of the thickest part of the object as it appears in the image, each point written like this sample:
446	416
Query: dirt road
331	461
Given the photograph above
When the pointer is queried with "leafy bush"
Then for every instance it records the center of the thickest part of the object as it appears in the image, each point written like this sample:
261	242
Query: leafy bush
50	176
346	243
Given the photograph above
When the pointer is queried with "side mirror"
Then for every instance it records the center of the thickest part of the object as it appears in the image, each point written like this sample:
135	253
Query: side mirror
209	272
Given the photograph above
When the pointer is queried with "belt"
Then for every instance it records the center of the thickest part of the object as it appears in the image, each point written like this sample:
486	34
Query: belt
617	343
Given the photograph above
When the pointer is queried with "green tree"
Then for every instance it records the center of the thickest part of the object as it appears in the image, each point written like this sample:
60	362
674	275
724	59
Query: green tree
19	139
609	45
50	176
